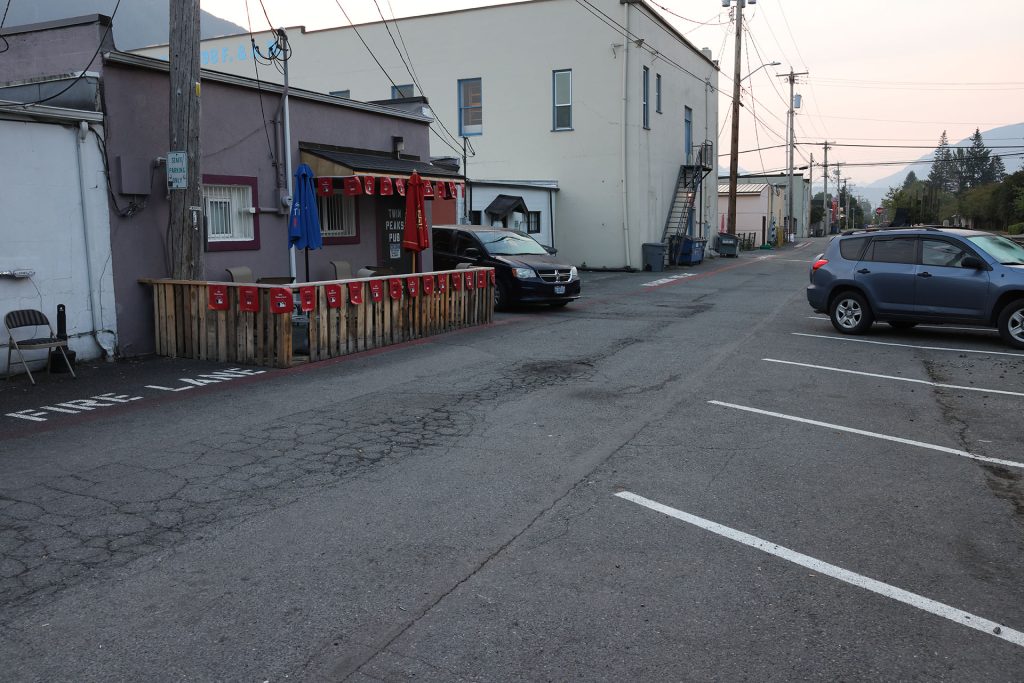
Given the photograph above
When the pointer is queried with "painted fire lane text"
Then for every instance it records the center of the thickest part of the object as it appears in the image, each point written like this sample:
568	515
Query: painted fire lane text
108	400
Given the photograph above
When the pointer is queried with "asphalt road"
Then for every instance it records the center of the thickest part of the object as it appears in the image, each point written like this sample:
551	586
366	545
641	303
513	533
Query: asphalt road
671	479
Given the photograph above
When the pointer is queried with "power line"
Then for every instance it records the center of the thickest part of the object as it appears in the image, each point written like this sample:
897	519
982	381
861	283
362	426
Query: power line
259	86
7	46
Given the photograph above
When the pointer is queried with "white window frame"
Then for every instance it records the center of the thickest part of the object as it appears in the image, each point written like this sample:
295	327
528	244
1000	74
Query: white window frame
229	213
337	215
555	104
467	130
646	98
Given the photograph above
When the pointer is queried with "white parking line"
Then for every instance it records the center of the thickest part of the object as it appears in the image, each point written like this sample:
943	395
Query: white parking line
874	435
666	280
909	346
925	327
859	580
898	379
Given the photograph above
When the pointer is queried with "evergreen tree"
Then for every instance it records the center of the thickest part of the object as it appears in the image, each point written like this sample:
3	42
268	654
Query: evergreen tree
941	176
911	179
977	163
997	171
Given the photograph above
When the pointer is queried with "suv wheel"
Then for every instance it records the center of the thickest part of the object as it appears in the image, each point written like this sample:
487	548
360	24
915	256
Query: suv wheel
1011	324
500	296
850	313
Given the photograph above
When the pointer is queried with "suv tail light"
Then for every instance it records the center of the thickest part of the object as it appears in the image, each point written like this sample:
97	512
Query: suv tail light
818	264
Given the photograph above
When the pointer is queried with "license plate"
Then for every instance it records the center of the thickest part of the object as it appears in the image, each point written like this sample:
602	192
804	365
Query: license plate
559	289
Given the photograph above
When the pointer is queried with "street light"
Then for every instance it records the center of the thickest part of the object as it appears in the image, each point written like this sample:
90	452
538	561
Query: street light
758	69
734	159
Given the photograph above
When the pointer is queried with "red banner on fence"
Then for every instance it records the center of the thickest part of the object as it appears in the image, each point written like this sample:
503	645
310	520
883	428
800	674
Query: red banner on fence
249	299
492	276
470	279
457	280
428	285
442	283
395	288
307	298
355	292
324	186
481	279
281	300
386	187
413	285
218	297
352	186
333	293
377	290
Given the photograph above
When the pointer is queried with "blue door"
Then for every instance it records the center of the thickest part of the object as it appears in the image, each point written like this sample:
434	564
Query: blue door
945	288
888	274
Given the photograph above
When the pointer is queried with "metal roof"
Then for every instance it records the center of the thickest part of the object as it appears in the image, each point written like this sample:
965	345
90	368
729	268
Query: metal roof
744	188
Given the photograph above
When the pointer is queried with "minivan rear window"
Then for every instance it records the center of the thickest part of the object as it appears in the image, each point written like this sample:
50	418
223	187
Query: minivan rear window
852	248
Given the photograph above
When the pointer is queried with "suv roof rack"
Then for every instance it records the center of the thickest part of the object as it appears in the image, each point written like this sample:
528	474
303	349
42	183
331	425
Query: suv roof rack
855	231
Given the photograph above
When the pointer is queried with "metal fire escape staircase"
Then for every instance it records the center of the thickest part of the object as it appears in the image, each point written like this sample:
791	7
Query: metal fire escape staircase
687	187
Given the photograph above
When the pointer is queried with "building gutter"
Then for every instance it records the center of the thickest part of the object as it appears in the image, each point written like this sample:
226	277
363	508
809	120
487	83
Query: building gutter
625	114
106	340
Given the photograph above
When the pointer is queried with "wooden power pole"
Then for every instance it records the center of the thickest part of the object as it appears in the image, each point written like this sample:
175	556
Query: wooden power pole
184	180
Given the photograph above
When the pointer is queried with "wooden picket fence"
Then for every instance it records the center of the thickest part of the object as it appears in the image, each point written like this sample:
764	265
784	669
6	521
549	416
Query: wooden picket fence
204	320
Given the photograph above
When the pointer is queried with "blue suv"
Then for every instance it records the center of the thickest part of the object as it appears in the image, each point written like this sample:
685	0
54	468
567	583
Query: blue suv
905	276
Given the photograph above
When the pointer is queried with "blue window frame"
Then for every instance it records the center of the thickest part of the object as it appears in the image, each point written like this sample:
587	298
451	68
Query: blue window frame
657	93
471	107
647	98
561	98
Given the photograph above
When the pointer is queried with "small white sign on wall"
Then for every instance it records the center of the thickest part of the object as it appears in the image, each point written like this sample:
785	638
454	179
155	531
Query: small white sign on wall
177	171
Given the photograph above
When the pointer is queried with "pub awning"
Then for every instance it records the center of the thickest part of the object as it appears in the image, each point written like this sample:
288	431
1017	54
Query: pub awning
330	162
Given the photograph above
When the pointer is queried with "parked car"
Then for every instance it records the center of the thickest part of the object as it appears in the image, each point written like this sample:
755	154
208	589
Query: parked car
906	276
524	270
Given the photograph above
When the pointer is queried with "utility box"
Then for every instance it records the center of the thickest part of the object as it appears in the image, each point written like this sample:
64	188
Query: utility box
654	256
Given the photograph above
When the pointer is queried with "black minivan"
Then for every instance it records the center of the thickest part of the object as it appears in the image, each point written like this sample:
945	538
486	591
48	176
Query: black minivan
524	270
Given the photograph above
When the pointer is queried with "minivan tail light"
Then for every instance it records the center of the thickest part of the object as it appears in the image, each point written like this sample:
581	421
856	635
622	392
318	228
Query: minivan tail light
818	264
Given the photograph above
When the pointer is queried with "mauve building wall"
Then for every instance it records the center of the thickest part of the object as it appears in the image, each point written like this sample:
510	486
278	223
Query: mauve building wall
233	144
36	51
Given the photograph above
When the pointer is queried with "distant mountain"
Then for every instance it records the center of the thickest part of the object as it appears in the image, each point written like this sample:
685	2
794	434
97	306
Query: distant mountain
996	137
138	22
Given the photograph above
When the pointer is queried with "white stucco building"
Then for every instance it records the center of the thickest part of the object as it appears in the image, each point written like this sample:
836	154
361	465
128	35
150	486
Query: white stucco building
602	101
55	232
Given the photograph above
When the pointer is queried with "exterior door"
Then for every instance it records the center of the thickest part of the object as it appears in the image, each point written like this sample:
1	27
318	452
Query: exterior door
888	273
944	287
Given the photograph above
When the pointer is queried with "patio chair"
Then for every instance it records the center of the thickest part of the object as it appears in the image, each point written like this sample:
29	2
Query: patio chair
241	274
342	270
32	318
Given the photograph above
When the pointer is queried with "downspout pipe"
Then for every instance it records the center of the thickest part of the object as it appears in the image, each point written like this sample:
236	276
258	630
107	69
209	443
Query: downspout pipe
625	114
104	339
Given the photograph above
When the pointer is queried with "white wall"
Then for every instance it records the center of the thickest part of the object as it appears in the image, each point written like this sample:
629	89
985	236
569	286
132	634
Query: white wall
516	79
41	230
536	200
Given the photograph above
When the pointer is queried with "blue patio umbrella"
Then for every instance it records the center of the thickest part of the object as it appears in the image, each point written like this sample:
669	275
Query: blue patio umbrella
304	219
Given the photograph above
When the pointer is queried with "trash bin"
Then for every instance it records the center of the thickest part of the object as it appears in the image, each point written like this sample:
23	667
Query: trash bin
654	256
728	245
692	251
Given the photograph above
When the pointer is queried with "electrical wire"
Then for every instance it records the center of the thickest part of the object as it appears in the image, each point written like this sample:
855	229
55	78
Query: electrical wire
259	86
3	19
360	36
81	74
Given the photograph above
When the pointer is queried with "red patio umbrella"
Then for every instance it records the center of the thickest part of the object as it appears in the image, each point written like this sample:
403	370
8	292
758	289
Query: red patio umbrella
416	235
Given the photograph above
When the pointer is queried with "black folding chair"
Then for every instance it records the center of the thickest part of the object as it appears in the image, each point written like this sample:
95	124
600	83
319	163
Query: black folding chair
32	318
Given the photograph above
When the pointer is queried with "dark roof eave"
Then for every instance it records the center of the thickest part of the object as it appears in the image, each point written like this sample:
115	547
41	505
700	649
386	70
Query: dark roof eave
152	64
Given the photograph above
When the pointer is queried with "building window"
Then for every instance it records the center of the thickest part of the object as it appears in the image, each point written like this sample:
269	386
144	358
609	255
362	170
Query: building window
475	217
562	99
229	205
344	94
647	97
471	107
533	222
337	219
401	91
657	93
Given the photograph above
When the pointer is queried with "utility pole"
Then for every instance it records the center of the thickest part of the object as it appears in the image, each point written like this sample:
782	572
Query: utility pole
791	143
839	192
734	156
185	223
810	191
826	216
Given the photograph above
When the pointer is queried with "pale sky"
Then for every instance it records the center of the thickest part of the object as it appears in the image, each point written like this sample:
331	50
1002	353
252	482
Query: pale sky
882	72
